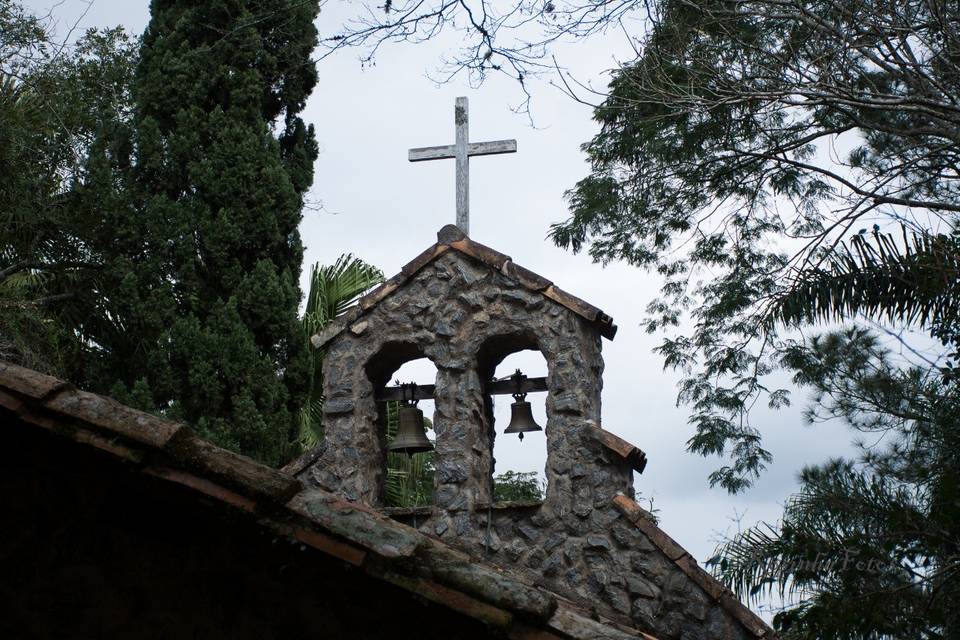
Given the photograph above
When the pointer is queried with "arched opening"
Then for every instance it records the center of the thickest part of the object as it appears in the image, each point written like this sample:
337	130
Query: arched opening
408	479
518	463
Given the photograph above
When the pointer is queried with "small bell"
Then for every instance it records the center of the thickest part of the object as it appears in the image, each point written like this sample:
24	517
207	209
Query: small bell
521	415
521	419
411	435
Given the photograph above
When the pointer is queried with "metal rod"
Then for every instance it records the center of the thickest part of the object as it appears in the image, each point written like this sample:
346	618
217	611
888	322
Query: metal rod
494	388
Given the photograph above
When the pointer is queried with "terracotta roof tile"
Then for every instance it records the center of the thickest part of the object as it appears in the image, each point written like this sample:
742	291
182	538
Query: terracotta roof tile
45	420
28	382
10	402
110	445
524	276
632	455
429	255
458	570
330	546
747	618
204	486
383	548
110	415
644	521
235	470
579	626
301	462
373	298
456	600
481	252
369	529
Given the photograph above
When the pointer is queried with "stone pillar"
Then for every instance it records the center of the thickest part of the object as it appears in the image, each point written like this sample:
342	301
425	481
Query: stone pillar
353	460
463	449
574	383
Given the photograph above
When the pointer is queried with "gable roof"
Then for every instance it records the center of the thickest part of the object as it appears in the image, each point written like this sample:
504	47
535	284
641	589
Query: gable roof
451	238
381	547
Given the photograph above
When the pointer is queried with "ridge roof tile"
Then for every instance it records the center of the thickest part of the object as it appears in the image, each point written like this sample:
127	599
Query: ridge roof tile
451	238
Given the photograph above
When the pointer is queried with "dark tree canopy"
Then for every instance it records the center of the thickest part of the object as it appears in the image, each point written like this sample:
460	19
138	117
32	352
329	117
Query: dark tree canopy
201	249
779	163
746	142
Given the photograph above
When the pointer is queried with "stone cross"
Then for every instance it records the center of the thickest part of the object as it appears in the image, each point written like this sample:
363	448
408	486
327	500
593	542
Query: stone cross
462	151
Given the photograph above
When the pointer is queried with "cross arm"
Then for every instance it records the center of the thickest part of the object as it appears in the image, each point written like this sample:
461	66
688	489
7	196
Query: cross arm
432	153
473	149
491	148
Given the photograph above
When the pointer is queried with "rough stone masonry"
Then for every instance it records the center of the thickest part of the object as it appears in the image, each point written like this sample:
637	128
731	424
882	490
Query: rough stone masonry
466	307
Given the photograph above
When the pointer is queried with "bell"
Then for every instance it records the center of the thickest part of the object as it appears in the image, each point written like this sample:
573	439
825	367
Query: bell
411	435
521	419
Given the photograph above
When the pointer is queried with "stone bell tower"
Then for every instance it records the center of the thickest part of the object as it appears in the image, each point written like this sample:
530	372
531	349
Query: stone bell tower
466	307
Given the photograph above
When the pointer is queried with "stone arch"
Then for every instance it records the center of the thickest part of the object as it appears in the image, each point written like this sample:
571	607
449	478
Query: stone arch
379	369
492	351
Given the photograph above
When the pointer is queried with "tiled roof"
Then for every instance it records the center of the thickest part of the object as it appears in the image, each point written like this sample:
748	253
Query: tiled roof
383	548
630	454
451	238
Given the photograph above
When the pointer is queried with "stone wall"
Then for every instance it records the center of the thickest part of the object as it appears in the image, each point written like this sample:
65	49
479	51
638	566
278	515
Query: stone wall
601	561
466	318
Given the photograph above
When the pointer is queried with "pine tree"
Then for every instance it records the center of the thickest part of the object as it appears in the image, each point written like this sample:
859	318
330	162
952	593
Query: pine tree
203	258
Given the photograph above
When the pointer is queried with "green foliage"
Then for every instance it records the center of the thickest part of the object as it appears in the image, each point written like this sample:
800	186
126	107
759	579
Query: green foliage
53	102
871	546
716	165
333	288
514	486
193	208
409	480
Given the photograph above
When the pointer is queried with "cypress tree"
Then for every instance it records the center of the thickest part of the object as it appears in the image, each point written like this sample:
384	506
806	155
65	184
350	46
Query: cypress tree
202	285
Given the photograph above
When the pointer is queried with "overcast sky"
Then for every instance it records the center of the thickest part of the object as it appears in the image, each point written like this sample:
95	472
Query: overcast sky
385	210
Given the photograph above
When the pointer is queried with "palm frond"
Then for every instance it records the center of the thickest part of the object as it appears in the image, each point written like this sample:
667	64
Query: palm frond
841	513
311	424
914	280
752	562
23	282
333	289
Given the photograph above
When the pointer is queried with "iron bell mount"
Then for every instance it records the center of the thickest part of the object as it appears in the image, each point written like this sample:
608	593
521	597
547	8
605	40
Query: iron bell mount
521	415
411	435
